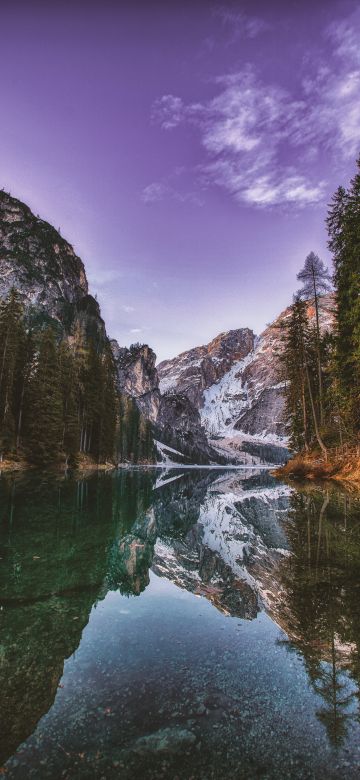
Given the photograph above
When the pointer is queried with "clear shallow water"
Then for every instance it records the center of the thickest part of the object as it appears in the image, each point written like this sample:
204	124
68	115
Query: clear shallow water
190	625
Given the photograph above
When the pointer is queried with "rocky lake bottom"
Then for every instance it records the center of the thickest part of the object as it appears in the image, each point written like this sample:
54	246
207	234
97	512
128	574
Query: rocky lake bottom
189	624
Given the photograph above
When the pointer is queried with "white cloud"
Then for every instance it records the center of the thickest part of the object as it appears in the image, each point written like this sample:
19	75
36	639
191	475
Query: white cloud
128	309
168	111
345	36
136	330
262	142
292	189
263	185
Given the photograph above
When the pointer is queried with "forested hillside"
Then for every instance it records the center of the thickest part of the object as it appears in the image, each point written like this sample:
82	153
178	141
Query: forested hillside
58	397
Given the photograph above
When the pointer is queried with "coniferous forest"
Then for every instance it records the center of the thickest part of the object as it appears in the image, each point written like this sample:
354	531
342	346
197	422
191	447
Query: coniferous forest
321	367
58	402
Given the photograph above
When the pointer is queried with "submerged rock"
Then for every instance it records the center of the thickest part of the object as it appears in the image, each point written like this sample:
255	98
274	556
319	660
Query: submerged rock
168	740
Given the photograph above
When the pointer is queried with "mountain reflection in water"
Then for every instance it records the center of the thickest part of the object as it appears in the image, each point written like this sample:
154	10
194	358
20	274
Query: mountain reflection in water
246	543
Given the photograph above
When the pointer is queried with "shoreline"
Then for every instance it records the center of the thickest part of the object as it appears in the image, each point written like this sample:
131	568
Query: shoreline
340	467
17	467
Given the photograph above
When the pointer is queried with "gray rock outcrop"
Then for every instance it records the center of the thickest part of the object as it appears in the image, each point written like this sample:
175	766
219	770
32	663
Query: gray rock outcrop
138	377
49	277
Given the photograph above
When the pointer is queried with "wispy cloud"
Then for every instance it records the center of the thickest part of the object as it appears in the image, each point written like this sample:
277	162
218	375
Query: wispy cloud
168	111
261	141
157	191
241	24
128	309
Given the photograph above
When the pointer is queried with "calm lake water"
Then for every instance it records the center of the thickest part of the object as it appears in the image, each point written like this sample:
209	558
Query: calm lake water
196	624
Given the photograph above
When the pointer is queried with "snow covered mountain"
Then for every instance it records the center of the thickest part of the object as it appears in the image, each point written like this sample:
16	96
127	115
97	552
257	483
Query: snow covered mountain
234	381
194	371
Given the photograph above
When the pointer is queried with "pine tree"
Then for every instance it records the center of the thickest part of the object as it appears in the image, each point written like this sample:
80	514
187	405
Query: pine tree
315	278
70	416
45	404
24	362
11	334
90	400
108	407
298	367
344	242
293	366
134	437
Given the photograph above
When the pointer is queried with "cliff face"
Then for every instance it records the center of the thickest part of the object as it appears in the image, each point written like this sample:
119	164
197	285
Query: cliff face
194	371
138	377
176	421
179	426
43	267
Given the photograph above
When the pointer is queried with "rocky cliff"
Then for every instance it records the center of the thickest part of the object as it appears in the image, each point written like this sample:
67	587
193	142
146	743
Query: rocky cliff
138	377
179	426
194	371
43	267
176	420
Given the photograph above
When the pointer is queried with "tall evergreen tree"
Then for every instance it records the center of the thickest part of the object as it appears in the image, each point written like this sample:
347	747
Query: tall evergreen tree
298	363
344	243
90	400
11	336
23	368
315	278
70	415
108	407
45	404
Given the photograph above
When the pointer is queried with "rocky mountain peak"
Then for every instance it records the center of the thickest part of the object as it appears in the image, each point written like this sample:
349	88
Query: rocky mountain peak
234	344
195	370
49	277
36	260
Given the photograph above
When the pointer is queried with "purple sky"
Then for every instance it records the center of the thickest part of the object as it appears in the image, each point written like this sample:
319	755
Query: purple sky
187	151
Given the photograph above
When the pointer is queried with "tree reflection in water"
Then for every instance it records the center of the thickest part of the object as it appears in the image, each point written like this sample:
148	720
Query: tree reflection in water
320	608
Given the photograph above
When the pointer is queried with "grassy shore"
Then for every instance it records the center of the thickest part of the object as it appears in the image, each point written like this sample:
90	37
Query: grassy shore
342	464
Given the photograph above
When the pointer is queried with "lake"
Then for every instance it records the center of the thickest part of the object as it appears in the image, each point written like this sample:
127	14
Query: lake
178	624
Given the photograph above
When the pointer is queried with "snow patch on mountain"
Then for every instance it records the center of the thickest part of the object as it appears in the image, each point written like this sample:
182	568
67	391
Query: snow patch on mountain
225	400
166	452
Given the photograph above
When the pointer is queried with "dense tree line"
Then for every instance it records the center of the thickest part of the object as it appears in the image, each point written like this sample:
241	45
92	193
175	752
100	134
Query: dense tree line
322	370
58	401
135	441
